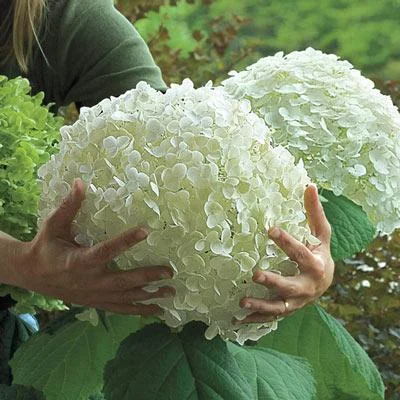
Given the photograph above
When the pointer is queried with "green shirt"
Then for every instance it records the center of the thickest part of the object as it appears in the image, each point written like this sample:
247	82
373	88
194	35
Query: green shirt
91	51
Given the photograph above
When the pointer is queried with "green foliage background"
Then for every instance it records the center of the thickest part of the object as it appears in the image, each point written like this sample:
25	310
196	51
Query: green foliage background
206	39
28	133
365	32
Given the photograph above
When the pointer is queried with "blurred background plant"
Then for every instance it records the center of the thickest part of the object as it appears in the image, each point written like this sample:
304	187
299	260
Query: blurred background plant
206	39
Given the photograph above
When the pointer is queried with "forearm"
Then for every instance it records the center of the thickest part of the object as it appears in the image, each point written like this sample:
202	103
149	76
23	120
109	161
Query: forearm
12	256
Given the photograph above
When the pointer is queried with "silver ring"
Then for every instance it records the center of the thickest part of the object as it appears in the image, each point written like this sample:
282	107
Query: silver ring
281	316
286	306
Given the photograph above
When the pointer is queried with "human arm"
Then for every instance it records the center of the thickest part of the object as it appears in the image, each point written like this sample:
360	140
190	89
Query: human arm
53	264
314	261
90	52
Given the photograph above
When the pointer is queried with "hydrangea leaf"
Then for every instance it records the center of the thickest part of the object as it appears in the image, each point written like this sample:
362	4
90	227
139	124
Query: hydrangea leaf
263	367
97	396
342	368
351	228
66	361
156	364
18	392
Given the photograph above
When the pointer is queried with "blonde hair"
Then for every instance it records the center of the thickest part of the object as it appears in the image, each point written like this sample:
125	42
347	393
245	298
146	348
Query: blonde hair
20	30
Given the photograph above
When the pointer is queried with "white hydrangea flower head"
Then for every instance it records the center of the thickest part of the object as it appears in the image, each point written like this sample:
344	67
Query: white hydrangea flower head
197	167
326	113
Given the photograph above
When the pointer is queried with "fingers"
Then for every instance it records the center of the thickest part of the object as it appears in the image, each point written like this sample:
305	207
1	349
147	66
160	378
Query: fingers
270	307
267	310
127	280
315	264
255	318
131	296
296	250
59	222
106	251
127	309
317	221
284	286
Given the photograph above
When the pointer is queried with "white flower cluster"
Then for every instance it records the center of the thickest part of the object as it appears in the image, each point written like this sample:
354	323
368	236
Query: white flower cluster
328	114
197	167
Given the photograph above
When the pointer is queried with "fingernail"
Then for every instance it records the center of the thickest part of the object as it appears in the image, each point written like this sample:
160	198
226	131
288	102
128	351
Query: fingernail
169	293
166	275
159	312
260	278
141	234
246	305
274	233
74	187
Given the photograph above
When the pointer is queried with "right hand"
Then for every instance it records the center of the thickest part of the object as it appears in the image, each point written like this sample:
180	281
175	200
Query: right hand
58	267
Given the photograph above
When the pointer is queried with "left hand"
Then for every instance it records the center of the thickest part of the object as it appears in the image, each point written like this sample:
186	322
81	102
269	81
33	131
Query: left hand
315	264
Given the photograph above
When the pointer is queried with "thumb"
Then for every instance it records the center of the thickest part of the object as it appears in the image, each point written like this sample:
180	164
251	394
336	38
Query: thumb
60	220
317	220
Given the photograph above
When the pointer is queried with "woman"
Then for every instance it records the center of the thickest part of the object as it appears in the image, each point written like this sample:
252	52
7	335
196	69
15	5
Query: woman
84	51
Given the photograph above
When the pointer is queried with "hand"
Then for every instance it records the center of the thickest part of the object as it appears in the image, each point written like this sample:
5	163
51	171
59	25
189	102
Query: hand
315	264
57	266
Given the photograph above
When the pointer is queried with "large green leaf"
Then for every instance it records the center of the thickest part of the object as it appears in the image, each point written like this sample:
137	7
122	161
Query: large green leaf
18	392
155	364
274	375
351	228
342	368
68	363
97	396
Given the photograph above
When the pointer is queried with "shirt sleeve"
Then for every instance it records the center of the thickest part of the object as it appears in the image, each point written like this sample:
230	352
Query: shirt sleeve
94	52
